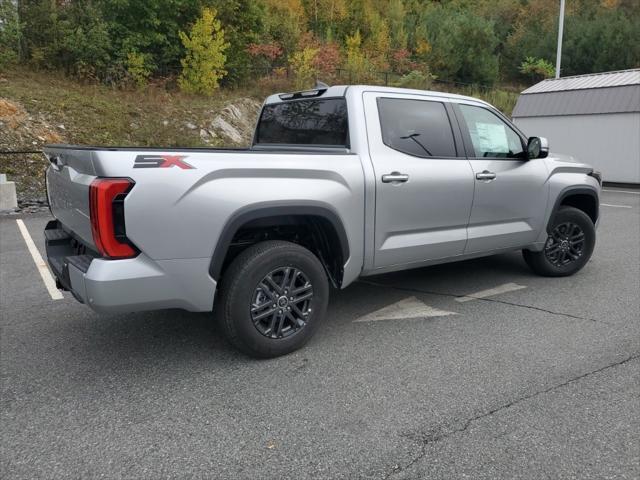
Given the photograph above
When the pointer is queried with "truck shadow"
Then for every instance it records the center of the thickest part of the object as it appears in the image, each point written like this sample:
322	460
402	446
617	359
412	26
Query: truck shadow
149	340
479	272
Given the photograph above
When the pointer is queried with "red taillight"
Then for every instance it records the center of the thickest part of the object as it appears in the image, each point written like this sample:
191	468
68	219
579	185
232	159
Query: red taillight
106	197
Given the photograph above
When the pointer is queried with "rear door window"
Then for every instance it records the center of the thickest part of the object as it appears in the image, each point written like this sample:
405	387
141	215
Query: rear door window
416	127
305	122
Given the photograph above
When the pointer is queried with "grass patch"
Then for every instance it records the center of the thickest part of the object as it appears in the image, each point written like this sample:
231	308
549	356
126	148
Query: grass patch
100	115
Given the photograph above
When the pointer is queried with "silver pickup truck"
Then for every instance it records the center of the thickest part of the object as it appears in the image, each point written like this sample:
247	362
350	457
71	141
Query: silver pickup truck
340	182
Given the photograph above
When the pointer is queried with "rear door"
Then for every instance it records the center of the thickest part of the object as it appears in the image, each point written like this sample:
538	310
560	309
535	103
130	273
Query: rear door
511	191
424	183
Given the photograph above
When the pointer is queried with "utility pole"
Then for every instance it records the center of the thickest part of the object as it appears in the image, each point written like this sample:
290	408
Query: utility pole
560	31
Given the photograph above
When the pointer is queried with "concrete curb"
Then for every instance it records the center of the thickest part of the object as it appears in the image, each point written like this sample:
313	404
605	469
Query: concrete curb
8	198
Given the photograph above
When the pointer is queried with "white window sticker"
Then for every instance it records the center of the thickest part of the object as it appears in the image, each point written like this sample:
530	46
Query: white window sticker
490	137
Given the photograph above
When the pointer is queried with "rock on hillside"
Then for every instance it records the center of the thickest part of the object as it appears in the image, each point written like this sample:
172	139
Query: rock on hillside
234	124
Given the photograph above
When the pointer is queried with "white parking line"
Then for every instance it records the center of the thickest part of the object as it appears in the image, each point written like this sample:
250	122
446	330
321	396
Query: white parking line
48	280
616	206
507	287
620	191
403	310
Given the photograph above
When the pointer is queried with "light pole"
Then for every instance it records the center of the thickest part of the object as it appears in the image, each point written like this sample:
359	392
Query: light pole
560	31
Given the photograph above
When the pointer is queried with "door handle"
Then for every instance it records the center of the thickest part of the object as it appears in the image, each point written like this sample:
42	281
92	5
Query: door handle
486	175
395	177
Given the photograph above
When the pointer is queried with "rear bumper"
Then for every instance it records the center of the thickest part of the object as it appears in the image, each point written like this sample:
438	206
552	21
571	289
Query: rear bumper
134	284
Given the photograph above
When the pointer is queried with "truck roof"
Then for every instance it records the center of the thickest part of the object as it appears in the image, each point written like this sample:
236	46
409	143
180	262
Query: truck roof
341	90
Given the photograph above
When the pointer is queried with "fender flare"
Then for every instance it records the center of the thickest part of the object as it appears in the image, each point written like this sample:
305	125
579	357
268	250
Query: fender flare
255	212
574	190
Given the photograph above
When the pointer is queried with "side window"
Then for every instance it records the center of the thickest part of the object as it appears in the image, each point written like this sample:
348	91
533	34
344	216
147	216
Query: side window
490	135
416	127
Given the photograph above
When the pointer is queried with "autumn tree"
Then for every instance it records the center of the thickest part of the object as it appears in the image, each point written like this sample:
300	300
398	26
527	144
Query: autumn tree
378	44
326	17
284	22
327	58
396	15
473	41
203	64
304	70
358	65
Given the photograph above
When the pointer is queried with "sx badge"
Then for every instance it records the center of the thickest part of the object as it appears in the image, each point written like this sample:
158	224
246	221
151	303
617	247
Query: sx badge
162	161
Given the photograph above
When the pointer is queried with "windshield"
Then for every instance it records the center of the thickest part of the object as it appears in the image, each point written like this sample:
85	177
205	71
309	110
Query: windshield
305	122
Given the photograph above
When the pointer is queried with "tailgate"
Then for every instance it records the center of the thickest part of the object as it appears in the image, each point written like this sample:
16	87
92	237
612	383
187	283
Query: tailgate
68	179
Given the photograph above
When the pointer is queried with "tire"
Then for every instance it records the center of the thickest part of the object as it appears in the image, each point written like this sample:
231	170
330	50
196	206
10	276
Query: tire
246	311
574	227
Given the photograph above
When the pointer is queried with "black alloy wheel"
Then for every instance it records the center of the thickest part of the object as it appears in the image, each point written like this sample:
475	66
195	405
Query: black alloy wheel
569	245
565	244
282	302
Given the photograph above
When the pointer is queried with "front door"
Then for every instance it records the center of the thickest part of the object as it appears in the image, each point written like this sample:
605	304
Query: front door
511	191
424	183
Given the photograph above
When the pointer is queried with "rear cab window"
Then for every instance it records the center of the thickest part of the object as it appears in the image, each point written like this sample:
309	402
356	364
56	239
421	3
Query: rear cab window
321	121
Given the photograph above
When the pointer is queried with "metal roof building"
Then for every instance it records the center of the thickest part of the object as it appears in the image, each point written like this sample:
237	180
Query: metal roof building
595	118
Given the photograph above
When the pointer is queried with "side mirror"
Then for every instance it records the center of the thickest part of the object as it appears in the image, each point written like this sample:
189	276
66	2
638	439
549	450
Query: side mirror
537	147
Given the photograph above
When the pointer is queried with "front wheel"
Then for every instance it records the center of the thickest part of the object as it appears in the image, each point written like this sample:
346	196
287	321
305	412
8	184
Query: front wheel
571	240
274	295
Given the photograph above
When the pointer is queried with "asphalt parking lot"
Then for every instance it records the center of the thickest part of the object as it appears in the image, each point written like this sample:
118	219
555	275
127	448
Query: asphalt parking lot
412	376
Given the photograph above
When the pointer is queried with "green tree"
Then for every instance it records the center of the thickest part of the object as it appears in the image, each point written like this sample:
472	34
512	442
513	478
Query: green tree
598	36
69	35
203	65
243	25
151	28
84	45
421	80
537	68
138	68
534	35
461	45
39	22
10	33
603	41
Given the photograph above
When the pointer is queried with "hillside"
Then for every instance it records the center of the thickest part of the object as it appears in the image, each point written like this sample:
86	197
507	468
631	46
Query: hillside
37	108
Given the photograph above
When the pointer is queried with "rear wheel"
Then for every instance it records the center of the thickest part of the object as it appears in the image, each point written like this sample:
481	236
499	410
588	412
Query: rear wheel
274	295
571	240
